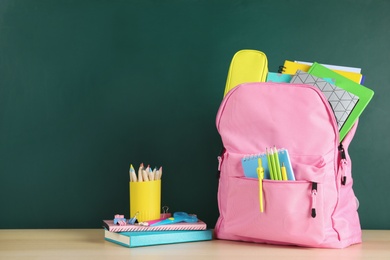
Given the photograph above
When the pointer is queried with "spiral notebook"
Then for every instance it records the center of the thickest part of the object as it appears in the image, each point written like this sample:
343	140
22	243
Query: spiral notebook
110	226
250	164
291	67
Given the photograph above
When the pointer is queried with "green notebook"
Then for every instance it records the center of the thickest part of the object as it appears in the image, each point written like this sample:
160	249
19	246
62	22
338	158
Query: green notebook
364	94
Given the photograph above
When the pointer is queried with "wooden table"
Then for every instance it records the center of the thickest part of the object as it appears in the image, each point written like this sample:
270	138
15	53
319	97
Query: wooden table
90	244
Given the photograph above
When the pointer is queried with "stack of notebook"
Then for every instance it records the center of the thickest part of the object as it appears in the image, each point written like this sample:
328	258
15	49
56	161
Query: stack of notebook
137	235
342	86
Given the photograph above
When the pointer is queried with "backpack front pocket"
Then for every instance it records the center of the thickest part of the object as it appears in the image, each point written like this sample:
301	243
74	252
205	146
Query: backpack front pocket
287	217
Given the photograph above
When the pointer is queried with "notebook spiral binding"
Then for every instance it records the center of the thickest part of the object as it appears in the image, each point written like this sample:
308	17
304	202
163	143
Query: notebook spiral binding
253	156
281	69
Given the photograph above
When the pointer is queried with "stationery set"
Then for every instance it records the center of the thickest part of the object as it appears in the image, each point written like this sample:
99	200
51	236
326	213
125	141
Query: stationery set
285	170
148	225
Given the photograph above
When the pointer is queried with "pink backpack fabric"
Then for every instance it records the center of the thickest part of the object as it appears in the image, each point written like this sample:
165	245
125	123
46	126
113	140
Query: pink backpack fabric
253	116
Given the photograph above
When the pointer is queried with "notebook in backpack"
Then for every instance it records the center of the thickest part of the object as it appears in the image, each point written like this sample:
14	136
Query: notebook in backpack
253	116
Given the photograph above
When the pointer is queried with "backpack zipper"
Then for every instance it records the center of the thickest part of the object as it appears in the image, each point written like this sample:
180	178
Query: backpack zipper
343	163
219	157
313	199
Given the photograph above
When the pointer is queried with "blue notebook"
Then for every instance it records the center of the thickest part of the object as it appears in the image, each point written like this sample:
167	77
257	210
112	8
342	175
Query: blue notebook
278	77
150	238
250	164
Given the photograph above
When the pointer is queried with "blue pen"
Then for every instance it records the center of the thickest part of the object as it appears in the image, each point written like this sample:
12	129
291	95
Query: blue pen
177	217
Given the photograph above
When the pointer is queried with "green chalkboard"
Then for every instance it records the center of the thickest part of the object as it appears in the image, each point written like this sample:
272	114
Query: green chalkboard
88	87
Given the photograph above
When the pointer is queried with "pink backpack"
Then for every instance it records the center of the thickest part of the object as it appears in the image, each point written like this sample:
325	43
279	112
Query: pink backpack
319	208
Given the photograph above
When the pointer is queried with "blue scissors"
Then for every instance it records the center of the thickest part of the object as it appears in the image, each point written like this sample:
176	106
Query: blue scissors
177	217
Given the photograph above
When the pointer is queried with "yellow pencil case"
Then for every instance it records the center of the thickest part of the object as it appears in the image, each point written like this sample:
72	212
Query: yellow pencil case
246	66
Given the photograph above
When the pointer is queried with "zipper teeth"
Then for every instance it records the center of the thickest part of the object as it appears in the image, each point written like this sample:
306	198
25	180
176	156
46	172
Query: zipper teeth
329	110
223	104
313	200
342	164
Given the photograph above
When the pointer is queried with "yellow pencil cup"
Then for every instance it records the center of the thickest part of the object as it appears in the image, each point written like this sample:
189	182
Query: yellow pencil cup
145	198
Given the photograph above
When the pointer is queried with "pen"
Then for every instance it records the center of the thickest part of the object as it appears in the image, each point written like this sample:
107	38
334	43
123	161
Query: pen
260	175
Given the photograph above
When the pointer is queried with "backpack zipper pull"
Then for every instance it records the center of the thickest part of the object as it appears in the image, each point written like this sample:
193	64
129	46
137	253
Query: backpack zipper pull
220	162
343	163
313	199
260	176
